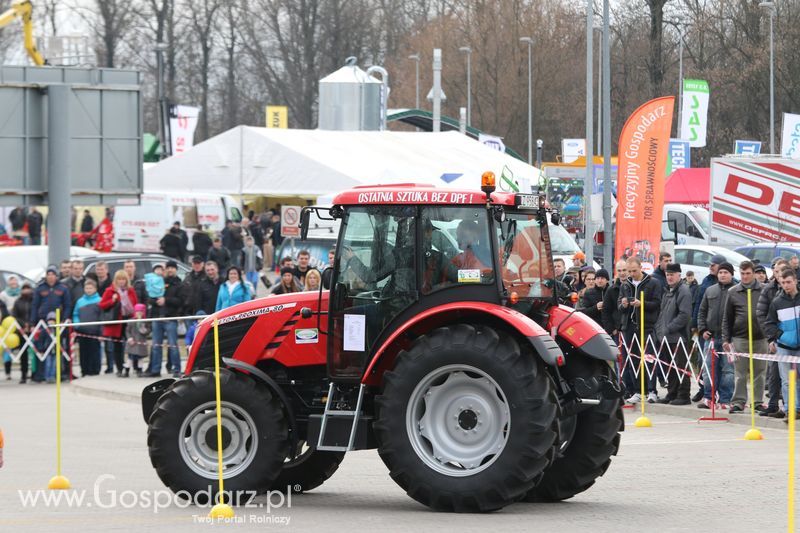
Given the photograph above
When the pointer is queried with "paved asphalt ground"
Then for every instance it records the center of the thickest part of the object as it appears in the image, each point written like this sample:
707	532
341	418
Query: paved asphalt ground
677	476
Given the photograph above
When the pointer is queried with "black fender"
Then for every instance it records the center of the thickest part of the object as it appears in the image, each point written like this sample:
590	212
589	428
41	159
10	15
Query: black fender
151	394
273	387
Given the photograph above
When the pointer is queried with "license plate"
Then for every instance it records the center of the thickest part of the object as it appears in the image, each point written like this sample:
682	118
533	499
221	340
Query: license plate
530	201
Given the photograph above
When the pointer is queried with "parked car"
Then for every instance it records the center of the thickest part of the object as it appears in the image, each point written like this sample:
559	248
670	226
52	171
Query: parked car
697	258
144	263
31	261
5	274
765	252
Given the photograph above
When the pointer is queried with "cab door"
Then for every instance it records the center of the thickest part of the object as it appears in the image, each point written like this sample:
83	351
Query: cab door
374	281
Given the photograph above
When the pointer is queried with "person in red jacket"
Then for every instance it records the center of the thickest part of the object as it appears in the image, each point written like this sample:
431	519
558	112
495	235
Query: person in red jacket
121	297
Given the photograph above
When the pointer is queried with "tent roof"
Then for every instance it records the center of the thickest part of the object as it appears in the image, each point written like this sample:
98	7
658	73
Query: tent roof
290	162
688	186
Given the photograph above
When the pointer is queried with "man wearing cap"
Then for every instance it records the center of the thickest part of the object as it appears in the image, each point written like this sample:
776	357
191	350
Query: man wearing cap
735	338
591	304
719	370
192	284
673	326
49	296
761	274
708	281
579	260
768	293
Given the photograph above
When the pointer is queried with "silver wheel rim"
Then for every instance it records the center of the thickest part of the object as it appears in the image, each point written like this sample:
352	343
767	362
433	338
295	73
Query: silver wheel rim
197	440
458	420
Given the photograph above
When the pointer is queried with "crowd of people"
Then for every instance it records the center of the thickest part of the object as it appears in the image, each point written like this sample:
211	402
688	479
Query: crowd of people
100	296
676	308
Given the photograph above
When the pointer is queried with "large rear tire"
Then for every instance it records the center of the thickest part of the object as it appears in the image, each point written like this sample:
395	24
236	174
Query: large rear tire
588	452
182	437
465	419
307	469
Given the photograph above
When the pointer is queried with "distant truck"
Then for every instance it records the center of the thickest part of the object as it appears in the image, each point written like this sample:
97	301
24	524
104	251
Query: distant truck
755	199
139	228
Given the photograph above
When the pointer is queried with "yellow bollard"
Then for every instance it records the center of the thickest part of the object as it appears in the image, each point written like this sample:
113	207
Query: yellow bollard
642	421
792	415
58	482
752	433
221	509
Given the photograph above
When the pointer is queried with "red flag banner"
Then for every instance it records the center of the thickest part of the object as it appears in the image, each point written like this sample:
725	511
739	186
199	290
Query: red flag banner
643	150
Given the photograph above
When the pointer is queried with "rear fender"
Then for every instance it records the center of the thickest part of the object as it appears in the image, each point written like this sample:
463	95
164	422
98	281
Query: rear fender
541	342
581	333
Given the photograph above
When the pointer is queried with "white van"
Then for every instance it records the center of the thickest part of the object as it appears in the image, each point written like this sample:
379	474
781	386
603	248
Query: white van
692	225
139	228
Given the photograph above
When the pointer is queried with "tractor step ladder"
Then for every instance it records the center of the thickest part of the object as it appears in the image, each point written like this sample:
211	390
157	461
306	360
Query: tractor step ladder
333	413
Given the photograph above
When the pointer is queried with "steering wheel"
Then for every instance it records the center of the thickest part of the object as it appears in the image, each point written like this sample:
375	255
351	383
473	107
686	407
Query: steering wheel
373	296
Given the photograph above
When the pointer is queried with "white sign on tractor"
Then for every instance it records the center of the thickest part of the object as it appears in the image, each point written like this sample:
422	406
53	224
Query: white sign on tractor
290	221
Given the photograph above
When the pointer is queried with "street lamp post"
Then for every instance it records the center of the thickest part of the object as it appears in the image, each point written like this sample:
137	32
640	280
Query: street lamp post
529	42
415	57
588	185
605	96
770	6
160	48
467	50
599	27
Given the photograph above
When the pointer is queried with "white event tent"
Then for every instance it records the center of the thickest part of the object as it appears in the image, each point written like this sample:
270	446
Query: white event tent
310	163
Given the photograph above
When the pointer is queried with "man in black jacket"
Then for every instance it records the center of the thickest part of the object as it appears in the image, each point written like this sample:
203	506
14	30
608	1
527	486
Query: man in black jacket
201	242
660	273
612	318
735	338
191	287
172	245
673	326
209	288
220	256
768	294
640	290
169	305
719	370
592	302
35	221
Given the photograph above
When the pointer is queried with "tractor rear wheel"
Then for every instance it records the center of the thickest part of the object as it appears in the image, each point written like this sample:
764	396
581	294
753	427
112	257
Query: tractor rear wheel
182	437
594	438
307	469
465	421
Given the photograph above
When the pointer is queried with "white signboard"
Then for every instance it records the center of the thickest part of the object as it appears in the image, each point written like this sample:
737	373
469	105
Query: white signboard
790	139
572	149
182	123
694	119
290	221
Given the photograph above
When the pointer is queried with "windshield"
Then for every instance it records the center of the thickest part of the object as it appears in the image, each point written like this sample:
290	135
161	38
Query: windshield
525	262
561	242
701	217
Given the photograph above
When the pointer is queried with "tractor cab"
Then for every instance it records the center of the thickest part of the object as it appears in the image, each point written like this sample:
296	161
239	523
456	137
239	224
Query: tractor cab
406	249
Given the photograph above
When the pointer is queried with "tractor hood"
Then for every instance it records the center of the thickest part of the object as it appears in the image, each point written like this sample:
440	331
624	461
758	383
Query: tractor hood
265	328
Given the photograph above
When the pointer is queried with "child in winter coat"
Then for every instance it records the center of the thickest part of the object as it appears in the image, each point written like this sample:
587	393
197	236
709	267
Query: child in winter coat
137	339
154	282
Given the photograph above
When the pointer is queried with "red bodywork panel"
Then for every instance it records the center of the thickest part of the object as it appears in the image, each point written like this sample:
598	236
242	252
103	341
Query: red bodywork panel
273	334
417	194
576	328
441	314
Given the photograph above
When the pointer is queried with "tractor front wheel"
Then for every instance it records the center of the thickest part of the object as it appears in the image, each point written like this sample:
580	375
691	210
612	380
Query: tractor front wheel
465	421
586	452
182	437
307	469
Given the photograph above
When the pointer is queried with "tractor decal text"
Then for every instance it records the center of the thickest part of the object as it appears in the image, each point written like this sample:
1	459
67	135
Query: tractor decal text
256	312
416	197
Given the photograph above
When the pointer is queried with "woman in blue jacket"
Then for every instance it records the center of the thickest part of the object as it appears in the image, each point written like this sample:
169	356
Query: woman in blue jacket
233	291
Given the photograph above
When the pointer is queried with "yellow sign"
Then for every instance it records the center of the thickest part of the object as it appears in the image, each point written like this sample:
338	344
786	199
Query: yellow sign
277	116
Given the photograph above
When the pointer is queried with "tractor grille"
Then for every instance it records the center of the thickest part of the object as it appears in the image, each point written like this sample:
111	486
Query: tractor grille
230	335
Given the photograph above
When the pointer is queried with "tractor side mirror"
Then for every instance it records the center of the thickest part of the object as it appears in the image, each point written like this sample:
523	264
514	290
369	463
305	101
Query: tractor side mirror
555	218
499	214
305	218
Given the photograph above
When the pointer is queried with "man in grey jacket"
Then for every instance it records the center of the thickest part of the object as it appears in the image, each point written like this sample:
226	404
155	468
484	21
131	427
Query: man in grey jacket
674	321
735	338
709	326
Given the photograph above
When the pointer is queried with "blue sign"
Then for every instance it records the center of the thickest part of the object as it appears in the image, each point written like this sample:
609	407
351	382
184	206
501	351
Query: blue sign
747	147
680	156
449	178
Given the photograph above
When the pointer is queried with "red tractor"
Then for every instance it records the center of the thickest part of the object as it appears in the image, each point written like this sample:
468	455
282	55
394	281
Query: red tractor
440	343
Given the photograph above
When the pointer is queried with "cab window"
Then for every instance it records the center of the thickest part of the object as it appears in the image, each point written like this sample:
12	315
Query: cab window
525	263
456	248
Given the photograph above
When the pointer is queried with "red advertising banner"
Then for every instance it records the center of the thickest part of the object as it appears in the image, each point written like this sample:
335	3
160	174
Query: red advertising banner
643	150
